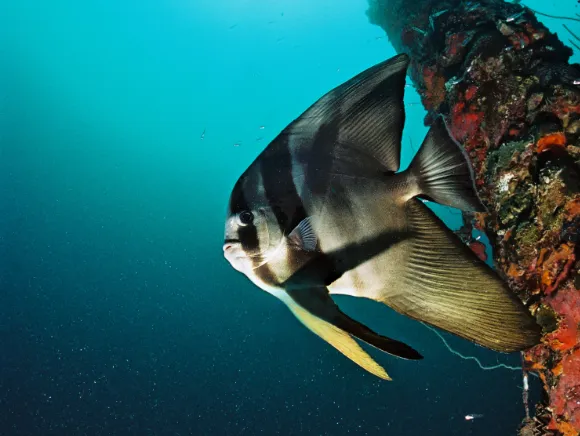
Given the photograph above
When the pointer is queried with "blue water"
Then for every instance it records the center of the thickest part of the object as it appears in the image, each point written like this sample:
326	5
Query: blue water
118	313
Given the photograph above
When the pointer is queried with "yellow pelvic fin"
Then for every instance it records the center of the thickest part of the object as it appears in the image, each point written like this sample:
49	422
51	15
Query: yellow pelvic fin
339	339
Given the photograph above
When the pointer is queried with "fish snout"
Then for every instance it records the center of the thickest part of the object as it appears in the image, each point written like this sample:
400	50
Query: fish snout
232	250
235	255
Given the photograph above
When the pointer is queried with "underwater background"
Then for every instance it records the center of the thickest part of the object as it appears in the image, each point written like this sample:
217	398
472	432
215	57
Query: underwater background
123	127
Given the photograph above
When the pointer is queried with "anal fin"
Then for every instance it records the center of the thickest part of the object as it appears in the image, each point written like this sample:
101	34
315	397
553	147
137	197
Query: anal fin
444	284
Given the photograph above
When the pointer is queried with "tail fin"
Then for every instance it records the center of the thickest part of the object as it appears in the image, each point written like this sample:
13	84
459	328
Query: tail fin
443	171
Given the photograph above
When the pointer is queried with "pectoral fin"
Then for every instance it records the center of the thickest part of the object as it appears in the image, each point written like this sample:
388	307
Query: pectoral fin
317	311
303	236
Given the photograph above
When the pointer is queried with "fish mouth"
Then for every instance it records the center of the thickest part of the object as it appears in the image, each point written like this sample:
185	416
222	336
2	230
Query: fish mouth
239	259
235	257
233	249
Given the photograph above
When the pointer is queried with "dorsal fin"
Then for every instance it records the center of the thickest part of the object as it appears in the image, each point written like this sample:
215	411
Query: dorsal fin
366	116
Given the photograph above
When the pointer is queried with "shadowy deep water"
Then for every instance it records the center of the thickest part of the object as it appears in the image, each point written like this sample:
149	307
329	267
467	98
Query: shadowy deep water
123	126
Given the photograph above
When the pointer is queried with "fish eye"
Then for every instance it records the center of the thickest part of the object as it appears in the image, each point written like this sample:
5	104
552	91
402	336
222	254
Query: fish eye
245	218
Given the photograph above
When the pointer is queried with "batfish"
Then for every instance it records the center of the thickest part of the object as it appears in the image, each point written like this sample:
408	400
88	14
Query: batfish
325	210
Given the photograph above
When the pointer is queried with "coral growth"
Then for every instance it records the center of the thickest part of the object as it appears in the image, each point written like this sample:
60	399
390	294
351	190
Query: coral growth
508	94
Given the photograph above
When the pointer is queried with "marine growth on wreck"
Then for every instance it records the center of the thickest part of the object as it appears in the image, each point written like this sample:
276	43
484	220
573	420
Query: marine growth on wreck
504	83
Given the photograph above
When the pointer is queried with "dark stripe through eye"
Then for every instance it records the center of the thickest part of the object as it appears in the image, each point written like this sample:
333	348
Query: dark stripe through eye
248	235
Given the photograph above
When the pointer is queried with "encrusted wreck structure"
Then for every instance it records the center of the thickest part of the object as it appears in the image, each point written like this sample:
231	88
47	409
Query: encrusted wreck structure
508	93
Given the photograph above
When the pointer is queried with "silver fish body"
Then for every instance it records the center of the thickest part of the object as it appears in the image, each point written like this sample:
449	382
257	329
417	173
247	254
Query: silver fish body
323	210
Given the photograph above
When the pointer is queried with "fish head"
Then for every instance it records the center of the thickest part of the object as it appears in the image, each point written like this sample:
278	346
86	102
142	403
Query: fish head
252	233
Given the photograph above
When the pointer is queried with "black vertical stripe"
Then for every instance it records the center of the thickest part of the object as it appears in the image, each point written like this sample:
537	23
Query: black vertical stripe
280	189
275	165
319	157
